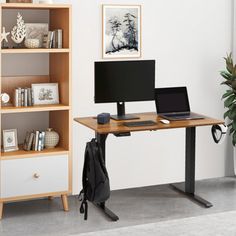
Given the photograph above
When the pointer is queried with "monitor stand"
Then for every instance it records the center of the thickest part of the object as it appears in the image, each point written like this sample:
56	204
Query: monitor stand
121	113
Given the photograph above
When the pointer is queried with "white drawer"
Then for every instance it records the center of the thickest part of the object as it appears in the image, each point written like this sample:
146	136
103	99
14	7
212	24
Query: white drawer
38	175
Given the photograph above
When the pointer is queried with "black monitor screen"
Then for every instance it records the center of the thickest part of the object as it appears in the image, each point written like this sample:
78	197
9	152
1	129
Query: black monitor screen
124	81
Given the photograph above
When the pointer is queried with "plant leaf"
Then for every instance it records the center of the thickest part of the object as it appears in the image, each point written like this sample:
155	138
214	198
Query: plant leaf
231	130
234	71
228	92
227	82
234	138
226	114
232	114
231	106
229	100
234	126
229	67
226	75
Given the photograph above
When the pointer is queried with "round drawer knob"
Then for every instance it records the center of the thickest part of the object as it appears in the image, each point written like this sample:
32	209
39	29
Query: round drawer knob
36	176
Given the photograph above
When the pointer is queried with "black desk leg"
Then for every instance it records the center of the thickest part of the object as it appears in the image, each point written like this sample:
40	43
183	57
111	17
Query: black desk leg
188	188
101	138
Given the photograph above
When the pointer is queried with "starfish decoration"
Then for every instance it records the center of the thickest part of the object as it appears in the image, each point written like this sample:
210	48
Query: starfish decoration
4	34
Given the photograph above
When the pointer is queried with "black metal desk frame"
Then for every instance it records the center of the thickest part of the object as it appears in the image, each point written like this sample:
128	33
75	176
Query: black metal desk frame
187	188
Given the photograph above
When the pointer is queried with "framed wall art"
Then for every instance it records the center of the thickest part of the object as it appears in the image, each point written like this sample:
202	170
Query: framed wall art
36	31
45	94
121	31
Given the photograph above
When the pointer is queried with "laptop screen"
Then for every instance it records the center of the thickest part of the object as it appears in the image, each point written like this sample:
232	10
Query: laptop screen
169	100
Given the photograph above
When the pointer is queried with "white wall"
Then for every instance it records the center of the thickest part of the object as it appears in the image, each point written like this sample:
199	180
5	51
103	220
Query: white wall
188	39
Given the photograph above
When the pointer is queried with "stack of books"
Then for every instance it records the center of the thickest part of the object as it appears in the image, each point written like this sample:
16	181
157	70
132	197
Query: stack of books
53	39
34	140
23	97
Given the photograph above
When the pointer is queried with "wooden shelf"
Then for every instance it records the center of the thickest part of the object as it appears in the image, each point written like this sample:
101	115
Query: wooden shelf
30	154
33	6
38	108
59	116
35	50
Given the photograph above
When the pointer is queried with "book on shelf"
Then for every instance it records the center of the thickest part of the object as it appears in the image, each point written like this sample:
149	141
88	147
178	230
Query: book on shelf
39	146
16	98
31	139
25	145
29	97
35	141
25	93
23	97
59	38
48	40
53	39
41	140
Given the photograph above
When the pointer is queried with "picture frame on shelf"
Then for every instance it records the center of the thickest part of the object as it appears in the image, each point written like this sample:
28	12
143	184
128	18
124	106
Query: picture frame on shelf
45	93
10	141
121	31
36	31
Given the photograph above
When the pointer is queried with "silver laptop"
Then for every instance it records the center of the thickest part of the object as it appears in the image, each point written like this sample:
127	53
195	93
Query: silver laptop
173	104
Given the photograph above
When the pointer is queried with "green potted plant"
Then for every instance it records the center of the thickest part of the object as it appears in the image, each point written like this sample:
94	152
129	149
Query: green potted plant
229	96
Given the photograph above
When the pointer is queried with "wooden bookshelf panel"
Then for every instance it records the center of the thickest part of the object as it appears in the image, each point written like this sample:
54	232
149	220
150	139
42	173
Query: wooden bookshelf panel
31	6
60	122
36	50
60	19
60	73
36	108
29	154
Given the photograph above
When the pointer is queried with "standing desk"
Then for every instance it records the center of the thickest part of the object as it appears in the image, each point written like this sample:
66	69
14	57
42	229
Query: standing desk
117	128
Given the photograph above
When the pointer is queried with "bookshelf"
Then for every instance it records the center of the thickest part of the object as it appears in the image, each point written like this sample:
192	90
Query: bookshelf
38	50
43	179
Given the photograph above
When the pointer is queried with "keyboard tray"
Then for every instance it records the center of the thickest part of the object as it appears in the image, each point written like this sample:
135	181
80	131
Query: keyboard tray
139	123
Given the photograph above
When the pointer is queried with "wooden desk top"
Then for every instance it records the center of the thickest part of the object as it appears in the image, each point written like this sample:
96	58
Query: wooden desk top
118	127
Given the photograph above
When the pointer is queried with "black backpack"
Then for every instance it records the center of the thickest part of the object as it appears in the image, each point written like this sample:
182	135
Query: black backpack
96	186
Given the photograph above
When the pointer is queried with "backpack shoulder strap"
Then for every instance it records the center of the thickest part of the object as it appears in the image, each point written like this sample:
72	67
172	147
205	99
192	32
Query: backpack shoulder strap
101	159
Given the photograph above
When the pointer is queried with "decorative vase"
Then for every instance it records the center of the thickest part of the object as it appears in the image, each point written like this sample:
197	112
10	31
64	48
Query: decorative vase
51	138
32	43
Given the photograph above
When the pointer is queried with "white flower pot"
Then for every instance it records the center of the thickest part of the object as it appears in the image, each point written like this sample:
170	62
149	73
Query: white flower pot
32	43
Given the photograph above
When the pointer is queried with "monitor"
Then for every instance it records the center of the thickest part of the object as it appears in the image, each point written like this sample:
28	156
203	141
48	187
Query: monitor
124	81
